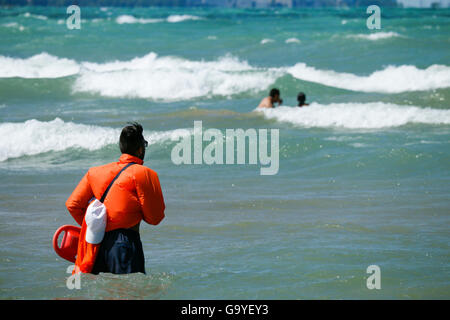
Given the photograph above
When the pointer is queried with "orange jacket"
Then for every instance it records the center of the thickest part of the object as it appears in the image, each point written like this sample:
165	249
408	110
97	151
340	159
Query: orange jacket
136	195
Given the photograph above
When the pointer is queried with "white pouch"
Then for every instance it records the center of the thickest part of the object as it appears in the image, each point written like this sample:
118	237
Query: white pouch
95	222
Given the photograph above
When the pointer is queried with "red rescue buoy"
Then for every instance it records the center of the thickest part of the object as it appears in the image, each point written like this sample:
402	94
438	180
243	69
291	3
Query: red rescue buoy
69	243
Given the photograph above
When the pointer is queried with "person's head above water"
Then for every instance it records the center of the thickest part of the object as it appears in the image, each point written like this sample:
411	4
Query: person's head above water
132	141
274	93
301	99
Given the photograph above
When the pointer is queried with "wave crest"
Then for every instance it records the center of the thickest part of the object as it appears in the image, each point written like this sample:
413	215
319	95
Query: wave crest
171	78
129	19
389	80
42	65
34	137
35	16
375	115
375	36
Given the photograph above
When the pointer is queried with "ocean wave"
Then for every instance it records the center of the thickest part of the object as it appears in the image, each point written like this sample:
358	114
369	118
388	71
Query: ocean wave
171	78
123	19
35	16
375	36
374	115
292	40
393	79
183	17
34	137
264	41
42	65
14	25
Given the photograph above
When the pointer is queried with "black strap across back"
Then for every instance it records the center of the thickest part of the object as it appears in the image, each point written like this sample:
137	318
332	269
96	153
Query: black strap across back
115	178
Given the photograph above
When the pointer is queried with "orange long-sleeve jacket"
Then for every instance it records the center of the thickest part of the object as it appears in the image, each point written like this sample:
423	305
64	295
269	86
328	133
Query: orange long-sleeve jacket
136	195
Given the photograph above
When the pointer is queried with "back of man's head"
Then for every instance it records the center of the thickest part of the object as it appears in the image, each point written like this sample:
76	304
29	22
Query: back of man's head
131	139
301	98
274	92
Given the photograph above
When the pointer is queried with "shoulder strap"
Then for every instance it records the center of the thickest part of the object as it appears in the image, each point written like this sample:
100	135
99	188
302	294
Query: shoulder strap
110	185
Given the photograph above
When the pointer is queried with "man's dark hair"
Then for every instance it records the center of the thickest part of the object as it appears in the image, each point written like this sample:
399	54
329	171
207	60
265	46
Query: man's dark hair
131	138
301	98
274	92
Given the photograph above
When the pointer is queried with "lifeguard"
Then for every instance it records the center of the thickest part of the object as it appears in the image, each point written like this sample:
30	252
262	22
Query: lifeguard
135	195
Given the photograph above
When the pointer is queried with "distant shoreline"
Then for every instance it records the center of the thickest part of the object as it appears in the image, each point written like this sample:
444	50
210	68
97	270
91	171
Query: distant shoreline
249	4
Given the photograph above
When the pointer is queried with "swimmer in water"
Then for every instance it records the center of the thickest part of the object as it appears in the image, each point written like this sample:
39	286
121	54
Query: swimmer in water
268	102
301	99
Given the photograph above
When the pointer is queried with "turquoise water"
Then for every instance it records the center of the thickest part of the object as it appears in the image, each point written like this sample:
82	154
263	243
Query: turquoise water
363	173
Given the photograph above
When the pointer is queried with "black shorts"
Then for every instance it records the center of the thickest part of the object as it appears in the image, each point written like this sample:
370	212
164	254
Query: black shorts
120	253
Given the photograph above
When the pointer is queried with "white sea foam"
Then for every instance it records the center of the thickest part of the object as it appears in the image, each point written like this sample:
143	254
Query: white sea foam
14	25
172	19
375	36
179	18
357	115
171	78
292	40
359	145
33	137
35	16
264	41
41	65
392	79
131	19
10	24
342	138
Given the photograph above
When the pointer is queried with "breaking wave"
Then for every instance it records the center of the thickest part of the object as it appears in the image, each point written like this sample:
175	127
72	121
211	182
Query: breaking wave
375	36
389	80
124	19
172	78
33	137
374	115
42	65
